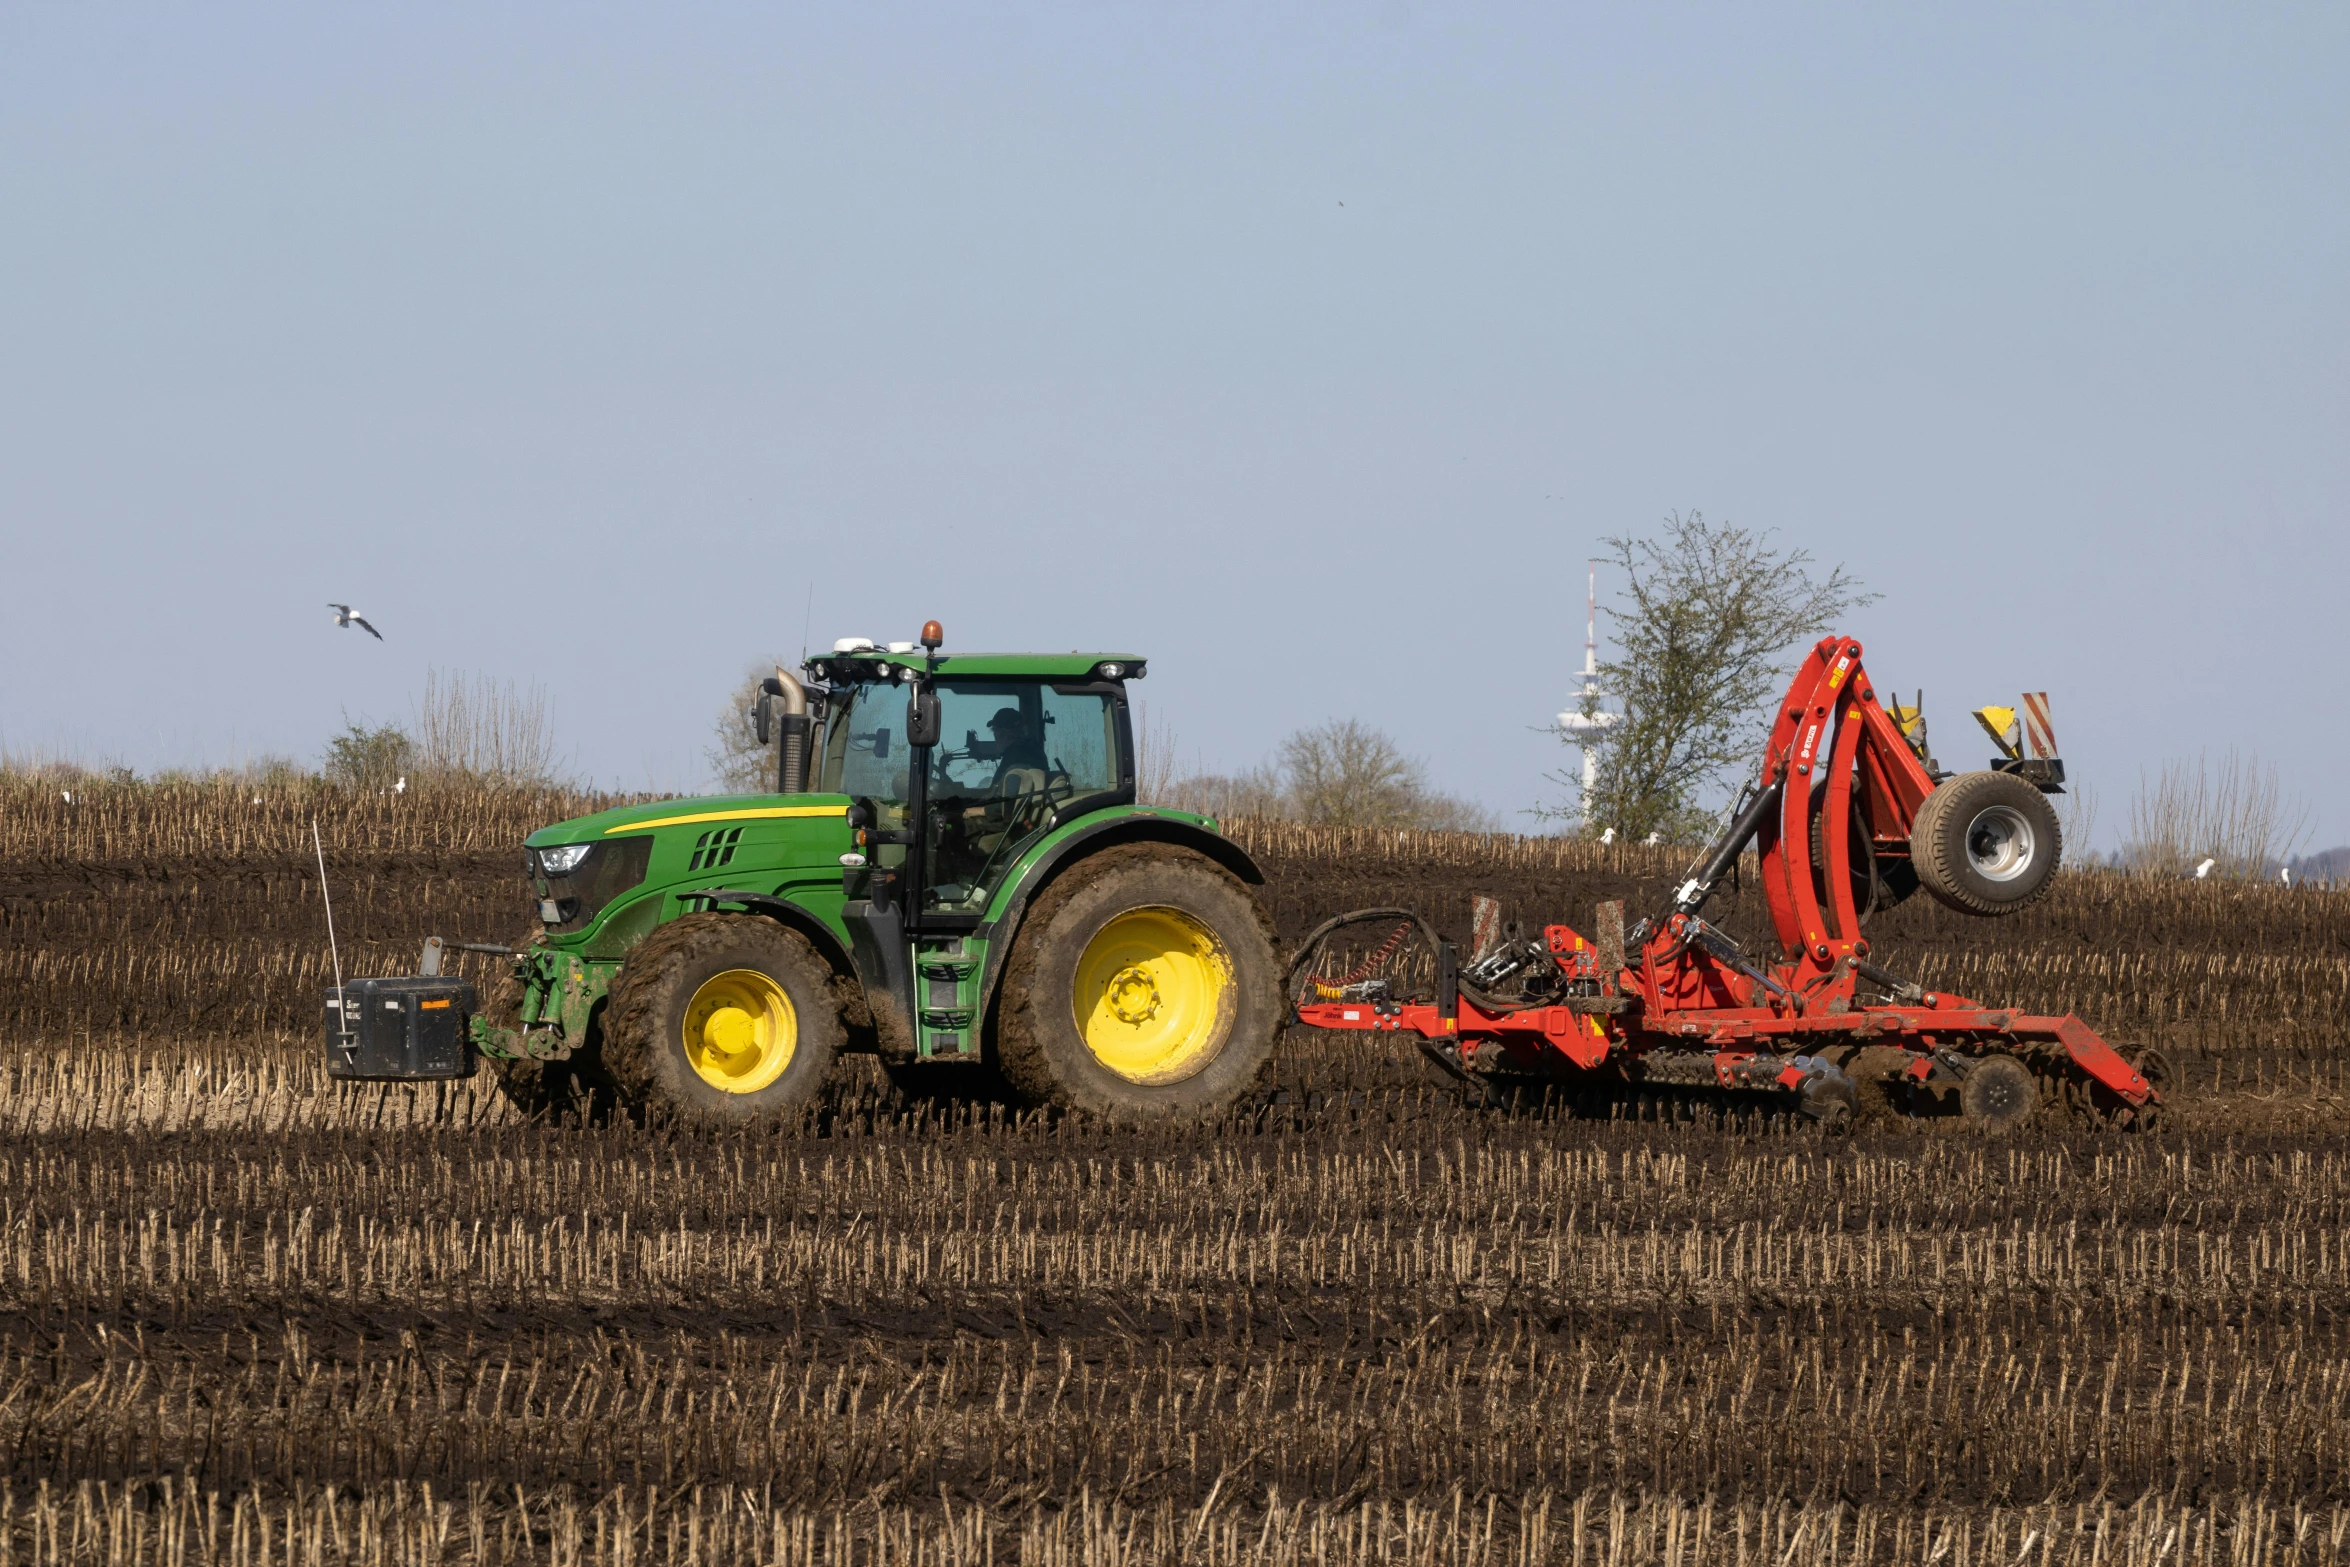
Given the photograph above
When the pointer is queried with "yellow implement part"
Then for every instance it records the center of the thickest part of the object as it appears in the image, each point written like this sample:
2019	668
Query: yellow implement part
1999	723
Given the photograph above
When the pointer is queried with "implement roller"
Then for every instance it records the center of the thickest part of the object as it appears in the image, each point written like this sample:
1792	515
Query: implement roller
1847	814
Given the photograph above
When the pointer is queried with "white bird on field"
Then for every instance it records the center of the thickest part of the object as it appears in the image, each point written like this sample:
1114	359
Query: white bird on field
2204	869
347	617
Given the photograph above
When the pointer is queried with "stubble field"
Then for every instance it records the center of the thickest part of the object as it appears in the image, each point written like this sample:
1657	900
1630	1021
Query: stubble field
248	1316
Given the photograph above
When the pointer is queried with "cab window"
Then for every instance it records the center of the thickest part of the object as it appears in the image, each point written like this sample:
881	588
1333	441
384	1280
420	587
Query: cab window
865	745
1010	754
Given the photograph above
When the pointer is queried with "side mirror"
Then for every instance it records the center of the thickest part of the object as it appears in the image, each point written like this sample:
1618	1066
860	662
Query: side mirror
763	717
922	718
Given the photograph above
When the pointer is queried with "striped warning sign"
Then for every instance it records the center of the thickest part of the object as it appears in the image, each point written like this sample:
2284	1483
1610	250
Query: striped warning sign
2037	733
1484	925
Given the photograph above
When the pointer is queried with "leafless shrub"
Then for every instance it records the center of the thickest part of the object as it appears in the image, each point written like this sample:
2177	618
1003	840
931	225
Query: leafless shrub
2077	819
1255	795
2234	812
1157	763
1342	773
475	728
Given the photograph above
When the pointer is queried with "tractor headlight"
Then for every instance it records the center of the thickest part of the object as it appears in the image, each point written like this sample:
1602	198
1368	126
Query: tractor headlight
565	860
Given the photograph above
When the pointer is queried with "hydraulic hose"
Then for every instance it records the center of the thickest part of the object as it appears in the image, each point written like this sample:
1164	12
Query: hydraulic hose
1496	1005
1732	843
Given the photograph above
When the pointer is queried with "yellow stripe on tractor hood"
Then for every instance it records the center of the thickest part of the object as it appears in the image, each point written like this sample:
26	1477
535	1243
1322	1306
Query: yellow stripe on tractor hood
761	813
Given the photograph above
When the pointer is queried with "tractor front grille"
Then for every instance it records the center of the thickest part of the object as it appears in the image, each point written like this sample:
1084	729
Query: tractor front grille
715	848
609	870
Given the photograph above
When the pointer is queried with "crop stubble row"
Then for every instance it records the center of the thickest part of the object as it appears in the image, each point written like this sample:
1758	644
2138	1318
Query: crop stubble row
246	1316
196	911
1346	1300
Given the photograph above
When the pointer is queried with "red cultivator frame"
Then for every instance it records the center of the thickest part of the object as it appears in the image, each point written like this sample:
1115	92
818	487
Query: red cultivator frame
1845	814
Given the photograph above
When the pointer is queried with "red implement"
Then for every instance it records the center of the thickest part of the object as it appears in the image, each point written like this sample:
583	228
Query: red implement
1691	1003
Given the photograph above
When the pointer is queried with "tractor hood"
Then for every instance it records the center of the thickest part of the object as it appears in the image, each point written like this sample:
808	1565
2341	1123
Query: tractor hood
712	809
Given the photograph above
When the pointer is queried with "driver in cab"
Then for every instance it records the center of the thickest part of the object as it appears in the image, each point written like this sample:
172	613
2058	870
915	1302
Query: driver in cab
1018	752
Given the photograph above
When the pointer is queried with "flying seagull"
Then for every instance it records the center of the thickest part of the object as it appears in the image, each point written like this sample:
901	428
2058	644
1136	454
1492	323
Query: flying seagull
346	616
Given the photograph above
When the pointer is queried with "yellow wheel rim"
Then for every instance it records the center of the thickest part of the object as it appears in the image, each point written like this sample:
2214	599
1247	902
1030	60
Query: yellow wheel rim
740	1031
1154	995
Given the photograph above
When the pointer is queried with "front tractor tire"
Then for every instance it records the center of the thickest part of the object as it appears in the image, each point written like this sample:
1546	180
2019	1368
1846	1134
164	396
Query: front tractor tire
1142	987
1986	843
723	1021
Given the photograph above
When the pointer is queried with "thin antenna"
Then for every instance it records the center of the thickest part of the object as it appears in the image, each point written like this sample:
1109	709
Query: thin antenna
808	620
342	1011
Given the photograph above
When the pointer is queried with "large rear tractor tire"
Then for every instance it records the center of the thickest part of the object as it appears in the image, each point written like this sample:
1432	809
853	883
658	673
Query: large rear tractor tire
1143	987
723	1021
1986	843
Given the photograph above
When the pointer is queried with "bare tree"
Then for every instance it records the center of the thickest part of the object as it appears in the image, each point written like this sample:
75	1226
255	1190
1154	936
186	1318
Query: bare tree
2078	819
476	729
1255	793
1340	774
1156	760
739	763
2234	812
1703	624
1346	774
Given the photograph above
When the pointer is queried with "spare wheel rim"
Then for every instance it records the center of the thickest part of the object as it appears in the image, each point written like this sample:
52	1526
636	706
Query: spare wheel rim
2000	843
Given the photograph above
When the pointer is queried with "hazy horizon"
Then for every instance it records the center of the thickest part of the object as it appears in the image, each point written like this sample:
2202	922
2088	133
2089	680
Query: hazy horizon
1309	353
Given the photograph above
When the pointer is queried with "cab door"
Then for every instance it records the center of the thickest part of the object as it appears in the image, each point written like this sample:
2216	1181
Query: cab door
1001	764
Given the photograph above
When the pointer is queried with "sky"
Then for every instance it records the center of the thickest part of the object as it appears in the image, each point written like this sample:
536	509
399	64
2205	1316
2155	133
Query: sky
1309	350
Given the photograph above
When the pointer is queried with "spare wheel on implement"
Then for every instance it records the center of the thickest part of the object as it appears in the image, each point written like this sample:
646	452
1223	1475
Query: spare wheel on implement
1986	843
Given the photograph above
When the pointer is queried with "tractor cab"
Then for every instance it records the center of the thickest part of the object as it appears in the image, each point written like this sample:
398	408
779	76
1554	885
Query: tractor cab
1011	755
1011	749
965	773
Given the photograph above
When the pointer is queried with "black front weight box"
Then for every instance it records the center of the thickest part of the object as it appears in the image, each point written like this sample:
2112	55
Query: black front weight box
400	1029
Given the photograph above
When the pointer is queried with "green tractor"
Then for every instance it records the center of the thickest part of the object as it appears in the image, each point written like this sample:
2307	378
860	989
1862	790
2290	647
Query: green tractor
953	874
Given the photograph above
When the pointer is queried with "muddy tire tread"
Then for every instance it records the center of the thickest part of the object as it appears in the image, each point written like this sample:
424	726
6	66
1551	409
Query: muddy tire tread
1024	1053
635	1033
